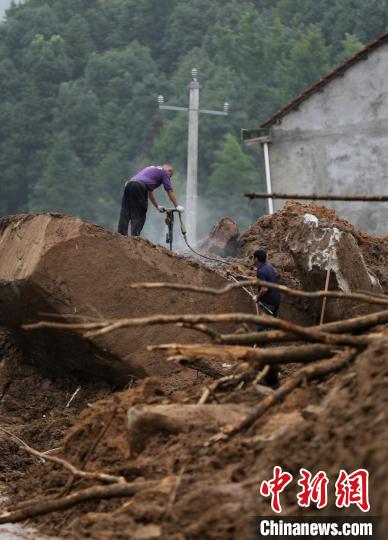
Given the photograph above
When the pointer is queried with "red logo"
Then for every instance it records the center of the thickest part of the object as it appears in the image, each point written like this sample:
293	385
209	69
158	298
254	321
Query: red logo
349	488
275	486
353	489
313	489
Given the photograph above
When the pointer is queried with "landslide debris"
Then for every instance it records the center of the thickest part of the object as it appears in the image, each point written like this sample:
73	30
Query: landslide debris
202	492
271	233
63	268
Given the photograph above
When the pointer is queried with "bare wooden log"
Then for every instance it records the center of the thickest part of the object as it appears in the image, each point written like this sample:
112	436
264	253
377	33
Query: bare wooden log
190	355
369	298
119	489
315	197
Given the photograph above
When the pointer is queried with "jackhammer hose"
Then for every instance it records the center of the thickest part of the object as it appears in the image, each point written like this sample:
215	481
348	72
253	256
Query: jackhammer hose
184	234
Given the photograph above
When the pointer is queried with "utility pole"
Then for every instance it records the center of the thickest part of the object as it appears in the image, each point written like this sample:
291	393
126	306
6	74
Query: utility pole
192	150
192	160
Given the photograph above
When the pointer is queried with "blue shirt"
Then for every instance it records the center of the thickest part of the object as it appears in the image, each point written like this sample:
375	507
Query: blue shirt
153	177
267	272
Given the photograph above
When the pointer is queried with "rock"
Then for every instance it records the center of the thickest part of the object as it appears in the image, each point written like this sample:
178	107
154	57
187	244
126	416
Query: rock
145	421
276	427
222	240
64	266
314	247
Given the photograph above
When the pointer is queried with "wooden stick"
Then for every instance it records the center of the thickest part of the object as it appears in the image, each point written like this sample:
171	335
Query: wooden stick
308	334
203	328
118	489
72	397
227	380
69	484
315	197
189	355
77	473
356	324
362	297
262	320
174	492
326	288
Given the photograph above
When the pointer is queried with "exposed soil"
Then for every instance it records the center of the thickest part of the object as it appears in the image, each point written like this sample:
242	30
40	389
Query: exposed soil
340	422
270	233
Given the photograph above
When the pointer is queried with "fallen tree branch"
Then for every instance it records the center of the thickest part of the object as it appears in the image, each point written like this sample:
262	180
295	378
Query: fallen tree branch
308	334
119	489
66	326
190	355
356	324
362	297
203	328
263	320
316	371
76	473
315	197
228	380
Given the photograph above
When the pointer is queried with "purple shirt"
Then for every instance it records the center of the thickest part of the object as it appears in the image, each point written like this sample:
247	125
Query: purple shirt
153	177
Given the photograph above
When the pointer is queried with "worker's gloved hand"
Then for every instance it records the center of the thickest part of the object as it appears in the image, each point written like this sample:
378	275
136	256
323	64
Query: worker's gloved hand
255	298
180	208
161	209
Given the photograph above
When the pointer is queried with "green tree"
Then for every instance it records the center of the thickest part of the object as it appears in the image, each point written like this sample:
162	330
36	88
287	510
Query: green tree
308	60
233	174
350	45
78	44
65	185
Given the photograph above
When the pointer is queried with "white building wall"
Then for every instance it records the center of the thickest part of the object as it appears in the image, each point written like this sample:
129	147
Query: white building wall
337	142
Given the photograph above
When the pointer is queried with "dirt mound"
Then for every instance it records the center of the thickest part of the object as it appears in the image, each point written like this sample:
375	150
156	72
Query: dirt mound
62	266
218	486
271	232
158	429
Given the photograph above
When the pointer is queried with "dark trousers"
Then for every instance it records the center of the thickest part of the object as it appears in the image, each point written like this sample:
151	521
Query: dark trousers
134	205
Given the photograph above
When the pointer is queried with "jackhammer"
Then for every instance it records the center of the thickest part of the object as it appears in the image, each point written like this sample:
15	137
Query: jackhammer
170	231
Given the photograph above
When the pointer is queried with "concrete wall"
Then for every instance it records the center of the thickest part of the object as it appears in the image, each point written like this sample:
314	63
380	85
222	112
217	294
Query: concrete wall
337	142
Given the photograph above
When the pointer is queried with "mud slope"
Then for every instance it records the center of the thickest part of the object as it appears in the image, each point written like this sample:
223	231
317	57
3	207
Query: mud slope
64	266
339	423
271	233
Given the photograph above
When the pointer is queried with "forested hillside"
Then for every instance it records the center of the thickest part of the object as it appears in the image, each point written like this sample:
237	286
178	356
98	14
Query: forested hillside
80	79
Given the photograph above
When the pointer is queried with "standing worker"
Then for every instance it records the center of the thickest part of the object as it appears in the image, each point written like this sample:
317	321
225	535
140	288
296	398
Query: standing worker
138	190
270	298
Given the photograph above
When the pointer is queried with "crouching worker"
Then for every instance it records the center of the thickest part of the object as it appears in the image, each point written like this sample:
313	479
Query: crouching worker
138	190
268	299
